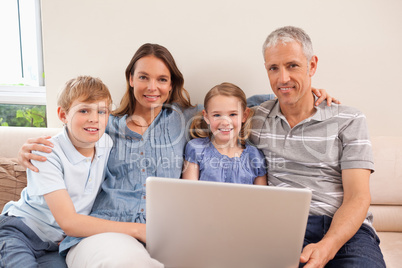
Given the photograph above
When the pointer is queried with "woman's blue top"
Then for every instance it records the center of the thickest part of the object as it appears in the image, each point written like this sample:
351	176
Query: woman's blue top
217	167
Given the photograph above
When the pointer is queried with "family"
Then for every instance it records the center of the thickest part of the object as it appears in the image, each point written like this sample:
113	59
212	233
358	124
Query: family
86	186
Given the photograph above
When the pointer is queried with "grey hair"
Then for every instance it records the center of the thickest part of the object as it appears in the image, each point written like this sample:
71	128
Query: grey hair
290	34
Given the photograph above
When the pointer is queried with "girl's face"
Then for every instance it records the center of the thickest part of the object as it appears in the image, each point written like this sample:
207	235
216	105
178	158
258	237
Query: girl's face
151	82
225	116
86	123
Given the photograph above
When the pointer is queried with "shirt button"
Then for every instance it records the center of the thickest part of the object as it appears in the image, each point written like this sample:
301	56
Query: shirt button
142	210
143	170
90	179
144	197
141	153
142	139
145	184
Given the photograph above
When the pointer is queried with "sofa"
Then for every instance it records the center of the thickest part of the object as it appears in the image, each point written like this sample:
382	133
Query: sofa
385	183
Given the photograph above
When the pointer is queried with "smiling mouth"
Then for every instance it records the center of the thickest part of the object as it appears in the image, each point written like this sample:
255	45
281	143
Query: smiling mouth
285	88
225	129
91	129
151	97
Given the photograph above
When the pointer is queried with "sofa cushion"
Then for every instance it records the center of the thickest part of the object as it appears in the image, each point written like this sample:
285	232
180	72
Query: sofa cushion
12	180
391	245
387	218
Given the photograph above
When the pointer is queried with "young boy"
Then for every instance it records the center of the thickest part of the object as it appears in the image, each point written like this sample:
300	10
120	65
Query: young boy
63	191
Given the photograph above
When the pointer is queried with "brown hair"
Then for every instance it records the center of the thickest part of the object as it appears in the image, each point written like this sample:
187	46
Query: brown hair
199	128
177	95
85	88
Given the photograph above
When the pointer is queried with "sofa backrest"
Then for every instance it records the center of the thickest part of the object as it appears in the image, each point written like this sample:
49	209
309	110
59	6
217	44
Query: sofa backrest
12	138
386	184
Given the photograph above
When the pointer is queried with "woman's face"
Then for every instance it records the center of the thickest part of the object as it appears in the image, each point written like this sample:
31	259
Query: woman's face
151	82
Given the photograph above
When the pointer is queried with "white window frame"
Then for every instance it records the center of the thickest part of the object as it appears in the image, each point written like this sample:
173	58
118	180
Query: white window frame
33	94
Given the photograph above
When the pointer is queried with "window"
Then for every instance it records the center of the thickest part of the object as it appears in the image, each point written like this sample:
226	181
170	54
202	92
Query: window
21	65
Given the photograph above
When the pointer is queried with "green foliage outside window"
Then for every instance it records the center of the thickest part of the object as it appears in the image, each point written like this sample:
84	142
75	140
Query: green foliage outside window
22	115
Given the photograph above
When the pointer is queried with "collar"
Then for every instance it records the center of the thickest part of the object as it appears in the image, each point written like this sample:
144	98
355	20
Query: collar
71	152
322	113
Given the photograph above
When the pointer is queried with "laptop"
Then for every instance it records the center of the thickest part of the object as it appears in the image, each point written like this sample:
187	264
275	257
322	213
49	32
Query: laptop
213	224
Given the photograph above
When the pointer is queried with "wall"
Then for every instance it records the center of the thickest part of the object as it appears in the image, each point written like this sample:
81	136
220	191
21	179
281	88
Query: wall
357	43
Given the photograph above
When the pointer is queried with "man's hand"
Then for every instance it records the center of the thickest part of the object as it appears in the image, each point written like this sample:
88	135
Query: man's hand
316	255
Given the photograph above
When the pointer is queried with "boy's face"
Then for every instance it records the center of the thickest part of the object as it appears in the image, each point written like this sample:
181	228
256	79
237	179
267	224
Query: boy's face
86	123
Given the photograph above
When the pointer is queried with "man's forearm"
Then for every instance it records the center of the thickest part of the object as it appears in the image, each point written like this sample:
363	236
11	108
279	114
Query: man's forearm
351	214
345	223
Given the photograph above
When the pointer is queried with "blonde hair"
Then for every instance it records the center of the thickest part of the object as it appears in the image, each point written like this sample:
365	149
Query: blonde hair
199	128
84	88
177	95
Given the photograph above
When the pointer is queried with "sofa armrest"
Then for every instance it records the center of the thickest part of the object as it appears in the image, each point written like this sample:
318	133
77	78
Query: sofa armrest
13	179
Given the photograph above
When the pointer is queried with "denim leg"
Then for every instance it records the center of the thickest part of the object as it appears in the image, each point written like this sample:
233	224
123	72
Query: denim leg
21	247
52	259
14	251
315	231
362	250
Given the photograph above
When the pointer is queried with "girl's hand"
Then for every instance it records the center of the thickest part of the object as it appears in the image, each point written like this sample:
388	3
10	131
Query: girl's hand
322	95
25	154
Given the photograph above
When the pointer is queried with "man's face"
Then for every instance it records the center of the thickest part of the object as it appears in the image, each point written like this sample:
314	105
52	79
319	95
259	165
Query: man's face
290	73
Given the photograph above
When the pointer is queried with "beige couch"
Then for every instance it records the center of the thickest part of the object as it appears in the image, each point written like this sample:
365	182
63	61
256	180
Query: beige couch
386	183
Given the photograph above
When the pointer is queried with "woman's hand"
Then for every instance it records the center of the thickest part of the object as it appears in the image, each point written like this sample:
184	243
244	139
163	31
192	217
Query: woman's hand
140	232
322	95
25	154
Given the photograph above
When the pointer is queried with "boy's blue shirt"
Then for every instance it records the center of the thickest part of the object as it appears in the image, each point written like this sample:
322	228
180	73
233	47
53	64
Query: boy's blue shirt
66	169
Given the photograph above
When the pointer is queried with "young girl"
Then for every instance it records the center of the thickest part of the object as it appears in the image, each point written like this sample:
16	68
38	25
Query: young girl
219	152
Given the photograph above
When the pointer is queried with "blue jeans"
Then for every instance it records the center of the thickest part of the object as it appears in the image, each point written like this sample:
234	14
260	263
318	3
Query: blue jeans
21	247
362	250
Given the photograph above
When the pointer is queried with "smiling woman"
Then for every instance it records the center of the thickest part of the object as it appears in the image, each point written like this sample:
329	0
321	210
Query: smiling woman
149	133
152	87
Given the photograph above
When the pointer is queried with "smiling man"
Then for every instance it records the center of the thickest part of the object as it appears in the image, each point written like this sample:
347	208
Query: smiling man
325	149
